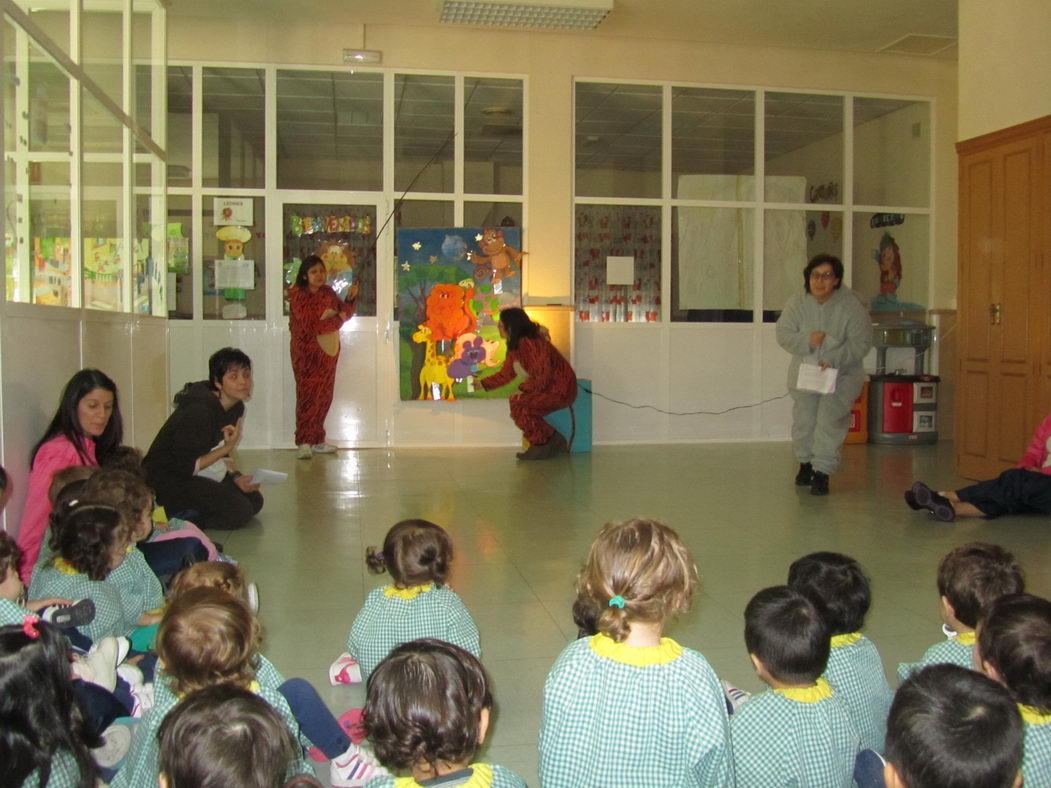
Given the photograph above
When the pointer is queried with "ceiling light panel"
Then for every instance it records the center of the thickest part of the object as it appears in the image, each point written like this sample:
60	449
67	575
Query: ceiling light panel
538	14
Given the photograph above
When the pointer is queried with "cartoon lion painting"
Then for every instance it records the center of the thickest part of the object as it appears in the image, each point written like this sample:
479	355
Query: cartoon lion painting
449	312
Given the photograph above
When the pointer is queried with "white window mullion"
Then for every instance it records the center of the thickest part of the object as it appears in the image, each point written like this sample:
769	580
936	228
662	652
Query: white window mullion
848	190
76	152
197	155
127	192
458	154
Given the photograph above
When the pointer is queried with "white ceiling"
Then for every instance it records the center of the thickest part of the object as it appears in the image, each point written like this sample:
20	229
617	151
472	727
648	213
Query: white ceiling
851	25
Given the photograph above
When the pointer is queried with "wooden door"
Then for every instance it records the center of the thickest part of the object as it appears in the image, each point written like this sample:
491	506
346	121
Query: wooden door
1001	299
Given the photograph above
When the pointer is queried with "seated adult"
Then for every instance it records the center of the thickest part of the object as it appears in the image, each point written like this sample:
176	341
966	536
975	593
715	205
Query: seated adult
1026	488
189	464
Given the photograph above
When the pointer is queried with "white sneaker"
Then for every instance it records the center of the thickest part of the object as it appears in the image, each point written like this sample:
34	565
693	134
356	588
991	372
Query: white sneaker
99	666
324	448
116	741
252	594
354	768
305	452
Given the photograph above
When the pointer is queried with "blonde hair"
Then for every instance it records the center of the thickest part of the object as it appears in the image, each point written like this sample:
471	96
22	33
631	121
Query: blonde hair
211	574
642	565
207	637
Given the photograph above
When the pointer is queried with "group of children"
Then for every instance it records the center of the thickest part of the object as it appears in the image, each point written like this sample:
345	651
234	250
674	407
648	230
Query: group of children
105	674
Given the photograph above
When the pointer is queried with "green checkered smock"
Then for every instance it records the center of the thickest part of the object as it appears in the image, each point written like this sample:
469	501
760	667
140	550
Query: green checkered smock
950	651
501	778
110	618
11	613
856	674
388	621
266	674
140	768
778	741
611	724
140	590
1036	760
64	773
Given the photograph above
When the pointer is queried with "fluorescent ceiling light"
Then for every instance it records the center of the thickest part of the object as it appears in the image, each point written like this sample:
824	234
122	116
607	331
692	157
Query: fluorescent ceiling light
362	56
544	14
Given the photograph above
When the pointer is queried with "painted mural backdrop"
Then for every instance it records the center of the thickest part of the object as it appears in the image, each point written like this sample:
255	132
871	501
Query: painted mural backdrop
452	284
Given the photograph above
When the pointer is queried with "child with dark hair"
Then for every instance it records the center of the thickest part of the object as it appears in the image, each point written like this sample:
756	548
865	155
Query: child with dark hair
44	740
427	712
854	669
90	541
950	727
629	706
1014	649
418	604
14	607
66	485
970	578
224	736
798	733
207	637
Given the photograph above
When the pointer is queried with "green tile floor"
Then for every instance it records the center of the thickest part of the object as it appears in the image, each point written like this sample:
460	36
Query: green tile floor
520	531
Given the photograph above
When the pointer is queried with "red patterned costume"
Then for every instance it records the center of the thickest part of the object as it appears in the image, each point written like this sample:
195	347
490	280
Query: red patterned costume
551	385
314	369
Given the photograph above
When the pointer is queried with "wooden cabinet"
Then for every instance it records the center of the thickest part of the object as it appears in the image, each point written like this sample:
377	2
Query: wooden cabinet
1004	382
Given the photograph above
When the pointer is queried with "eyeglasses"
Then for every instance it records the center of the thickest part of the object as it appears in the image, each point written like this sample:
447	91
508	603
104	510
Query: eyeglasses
822	275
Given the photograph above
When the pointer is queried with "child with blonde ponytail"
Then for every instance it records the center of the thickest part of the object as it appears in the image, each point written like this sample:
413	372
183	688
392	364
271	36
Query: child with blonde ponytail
628	706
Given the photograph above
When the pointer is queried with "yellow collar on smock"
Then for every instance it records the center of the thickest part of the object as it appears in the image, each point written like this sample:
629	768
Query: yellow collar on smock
406	593
482	778
821	690
838	641
638	656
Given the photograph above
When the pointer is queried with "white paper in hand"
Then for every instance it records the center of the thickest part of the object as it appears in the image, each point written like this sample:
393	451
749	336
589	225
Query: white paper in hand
264	476
813	378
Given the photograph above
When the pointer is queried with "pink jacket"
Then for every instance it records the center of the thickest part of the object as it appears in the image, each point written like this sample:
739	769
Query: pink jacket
1038	456
56	454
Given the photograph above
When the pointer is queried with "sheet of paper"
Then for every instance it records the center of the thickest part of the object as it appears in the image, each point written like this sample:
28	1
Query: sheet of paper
620	270
235	273
813	378
264	476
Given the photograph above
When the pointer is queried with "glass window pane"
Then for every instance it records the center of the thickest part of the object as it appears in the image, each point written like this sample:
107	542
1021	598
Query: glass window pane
49	233
16	247
233	128
48	98
804	147
713	261
102	34
150	242
180	125
618	140
146	57
492	137
790	239
101	131
237	254
423	133
892	148
104	257
53	20
492	214
329	130
891	264
713	144
179	235
341	235
604	231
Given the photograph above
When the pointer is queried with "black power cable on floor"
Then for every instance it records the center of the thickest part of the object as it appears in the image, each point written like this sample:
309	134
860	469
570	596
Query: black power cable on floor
685	412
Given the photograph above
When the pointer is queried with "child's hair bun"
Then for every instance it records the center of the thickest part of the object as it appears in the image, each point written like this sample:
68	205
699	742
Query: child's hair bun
375	561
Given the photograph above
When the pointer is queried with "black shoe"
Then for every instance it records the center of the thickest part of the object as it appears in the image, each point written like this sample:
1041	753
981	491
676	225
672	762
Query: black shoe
935	503
910	499
805	475
819	484
69	616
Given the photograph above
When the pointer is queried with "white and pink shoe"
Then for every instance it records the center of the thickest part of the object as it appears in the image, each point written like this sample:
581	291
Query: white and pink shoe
345	670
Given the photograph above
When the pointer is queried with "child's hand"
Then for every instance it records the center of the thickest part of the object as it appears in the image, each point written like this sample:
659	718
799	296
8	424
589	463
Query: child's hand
146	619
245	484
36	605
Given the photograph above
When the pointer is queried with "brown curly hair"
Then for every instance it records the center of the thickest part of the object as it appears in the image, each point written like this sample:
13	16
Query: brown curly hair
10	555
85	536
415	552
207	637
974	575
124	491
210	574
644	563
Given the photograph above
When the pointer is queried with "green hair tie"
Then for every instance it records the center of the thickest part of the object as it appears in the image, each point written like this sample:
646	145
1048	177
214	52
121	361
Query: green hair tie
617	601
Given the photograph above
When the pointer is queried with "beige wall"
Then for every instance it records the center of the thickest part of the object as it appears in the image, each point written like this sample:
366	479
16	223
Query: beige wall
1004	64
551	61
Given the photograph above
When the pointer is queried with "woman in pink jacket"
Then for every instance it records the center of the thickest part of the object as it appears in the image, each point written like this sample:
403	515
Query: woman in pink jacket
86	428
1024	488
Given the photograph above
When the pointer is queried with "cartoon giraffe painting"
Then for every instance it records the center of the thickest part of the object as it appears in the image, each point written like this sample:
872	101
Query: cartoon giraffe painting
434	374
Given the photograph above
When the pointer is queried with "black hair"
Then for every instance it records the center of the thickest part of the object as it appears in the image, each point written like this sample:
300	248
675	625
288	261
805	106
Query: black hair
39	713
84	535
975	574
10	555
224	360
518	326
950	727
838	585
415	552
304	268
424	705
1015	638
3	480
223	736
823	259
66	421
786	631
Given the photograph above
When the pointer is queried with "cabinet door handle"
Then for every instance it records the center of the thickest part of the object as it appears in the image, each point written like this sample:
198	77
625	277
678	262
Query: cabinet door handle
994	314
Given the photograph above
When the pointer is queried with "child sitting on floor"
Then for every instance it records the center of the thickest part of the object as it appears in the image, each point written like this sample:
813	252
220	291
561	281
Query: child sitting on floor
854	670
1014	649
950	727
799	732
418	604
427	713
628	706
206	637
970	577
14	607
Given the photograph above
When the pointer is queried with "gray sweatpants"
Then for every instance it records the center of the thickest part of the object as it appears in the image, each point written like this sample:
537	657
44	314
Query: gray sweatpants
820	423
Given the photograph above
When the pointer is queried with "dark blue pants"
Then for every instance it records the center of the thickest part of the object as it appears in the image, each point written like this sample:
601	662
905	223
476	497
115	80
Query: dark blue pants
1015	491
168	557
314	718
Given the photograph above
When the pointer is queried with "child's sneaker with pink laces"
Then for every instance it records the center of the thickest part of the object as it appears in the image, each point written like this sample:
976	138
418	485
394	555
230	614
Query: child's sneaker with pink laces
345	670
